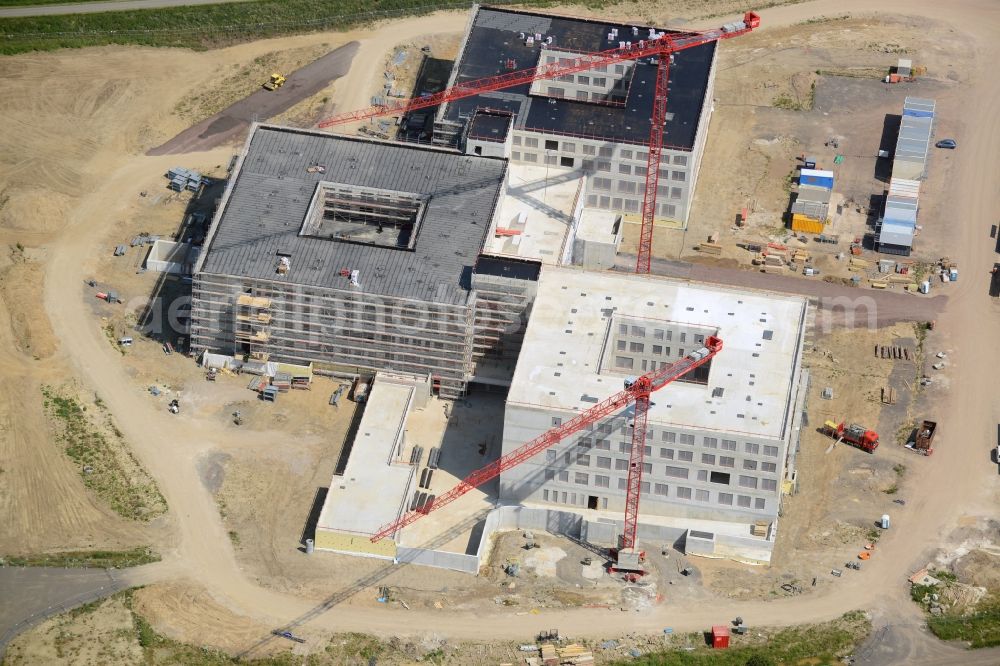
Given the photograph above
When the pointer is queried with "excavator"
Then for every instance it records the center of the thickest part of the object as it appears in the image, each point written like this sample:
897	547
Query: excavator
275	82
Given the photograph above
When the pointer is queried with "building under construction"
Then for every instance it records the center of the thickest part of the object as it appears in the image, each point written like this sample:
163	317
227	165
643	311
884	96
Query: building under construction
359	255
717	441
594	123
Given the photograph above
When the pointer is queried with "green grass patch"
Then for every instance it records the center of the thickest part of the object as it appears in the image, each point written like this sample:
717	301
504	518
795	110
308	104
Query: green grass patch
920	592
786	101
94	443
358	648
815	645
980	629
945	575
210	26
99	559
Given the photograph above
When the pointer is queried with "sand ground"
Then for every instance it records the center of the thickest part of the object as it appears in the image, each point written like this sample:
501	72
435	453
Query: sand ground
72	165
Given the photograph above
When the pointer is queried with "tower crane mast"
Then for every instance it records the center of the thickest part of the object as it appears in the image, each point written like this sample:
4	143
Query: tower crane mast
661	48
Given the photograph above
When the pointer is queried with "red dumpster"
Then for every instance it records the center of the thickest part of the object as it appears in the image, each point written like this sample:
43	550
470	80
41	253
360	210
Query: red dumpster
720	636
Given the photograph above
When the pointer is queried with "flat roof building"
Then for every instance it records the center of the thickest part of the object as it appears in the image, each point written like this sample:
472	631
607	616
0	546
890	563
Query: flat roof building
357	255
597	122
717	440
375	485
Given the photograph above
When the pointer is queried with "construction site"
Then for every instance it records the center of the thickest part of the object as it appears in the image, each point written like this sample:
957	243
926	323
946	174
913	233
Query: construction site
556	315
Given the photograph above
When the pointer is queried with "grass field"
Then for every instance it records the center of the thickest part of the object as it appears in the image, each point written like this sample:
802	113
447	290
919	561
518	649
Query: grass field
206	26
815	645
98	559
93	442
981	629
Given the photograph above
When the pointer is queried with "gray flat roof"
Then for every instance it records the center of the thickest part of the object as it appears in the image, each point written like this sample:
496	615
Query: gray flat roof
495	37
271	190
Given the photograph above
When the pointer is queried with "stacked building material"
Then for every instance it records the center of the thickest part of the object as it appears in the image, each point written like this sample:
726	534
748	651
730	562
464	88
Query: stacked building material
185	179
575	654
810	210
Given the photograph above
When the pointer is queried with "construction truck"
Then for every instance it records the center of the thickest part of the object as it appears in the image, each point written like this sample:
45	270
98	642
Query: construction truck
275	82
853	434
923	438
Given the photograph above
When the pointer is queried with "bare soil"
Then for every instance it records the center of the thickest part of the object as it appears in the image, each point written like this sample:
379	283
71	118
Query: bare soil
795	91
71	160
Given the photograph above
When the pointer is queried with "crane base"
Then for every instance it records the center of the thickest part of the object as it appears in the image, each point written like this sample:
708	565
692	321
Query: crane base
629	560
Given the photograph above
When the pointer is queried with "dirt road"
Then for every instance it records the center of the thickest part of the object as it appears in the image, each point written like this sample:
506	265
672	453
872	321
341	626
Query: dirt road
883	307
98	7
232	122
958	480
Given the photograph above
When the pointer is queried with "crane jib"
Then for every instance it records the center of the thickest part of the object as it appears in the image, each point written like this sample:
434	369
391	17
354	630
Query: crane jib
635	390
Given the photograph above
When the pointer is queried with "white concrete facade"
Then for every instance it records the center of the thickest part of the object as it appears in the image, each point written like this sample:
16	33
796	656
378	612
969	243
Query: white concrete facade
715	448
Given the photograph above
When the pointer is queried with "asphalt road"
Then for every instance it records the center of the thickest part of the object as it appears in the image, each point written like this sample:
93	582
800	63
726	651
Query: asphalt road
98	7
232	122
31	594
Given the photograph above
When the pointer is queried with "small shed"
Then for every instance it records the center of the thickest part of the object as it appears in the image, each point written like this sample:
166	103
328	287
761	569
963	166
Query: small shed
720	636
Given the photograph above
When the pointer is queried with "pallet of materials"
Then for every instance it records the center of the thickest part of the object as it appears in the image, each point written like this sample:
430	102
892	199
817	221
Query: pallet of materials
710	248
575	654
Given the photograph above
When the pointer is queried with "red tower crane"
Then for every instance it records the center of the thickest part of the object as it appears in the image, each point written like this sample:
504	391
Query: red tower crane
660	48
637	390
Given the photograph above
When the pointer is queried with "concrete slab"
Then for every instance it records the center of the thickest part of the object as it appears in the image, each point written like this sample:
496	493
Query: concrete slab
469	434
565	352
374	485
539	205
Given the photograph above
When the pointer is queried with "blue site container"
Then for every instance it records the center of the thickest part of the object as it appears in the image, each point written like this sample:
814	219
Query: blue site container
816	178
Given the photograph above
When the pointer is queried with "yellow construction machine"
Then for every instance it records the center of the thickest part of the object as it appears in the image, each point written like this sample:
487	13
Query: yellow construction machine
275	82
